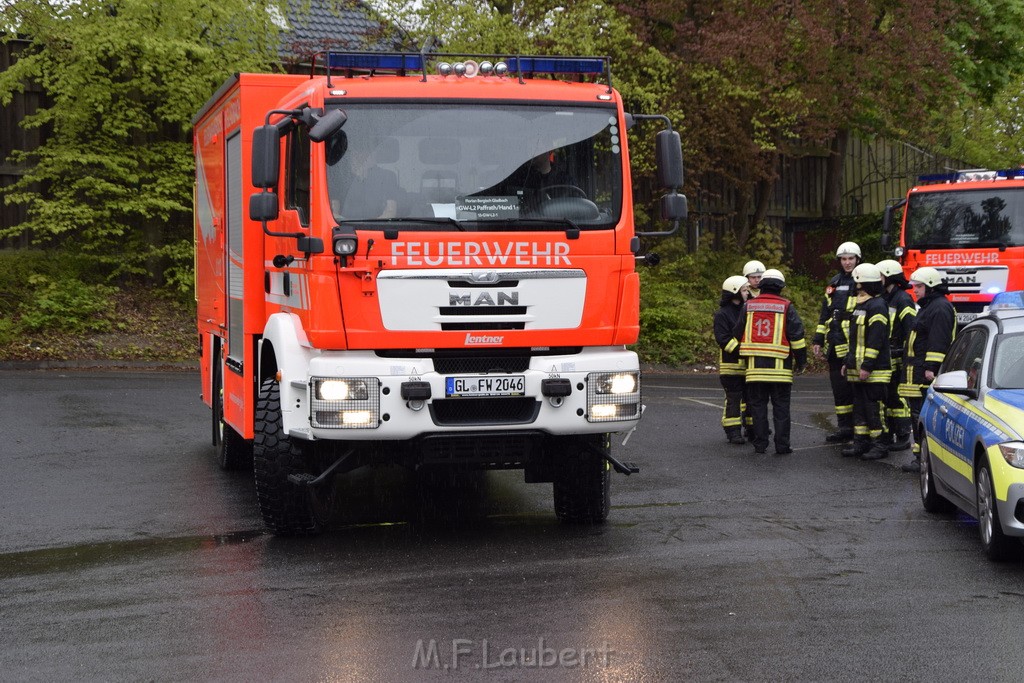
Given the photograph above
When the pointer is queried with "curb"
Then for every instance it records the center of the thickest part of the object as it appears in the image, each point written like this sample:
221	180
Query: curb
97	365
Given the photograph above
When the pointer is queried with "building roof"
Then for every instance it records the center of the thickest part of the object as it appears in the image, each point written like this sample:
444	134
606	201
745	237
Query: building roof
313	26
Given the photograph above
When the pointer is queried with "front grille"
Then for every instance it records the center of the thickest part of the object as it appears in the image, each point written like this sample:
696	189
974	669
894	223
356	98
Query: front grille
475	327
476	365
492	451
484	411
970	306
482	310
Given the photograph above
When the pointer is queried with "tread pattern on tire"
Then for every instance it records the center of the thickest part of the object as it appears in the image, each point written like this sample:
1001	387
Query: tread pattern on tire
287	509
582	482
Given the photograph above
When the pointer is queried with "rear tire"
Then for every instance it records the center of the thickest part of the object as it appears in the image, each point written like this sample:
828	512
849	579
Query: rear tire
288	509
997	546
233	452
930	498
582	481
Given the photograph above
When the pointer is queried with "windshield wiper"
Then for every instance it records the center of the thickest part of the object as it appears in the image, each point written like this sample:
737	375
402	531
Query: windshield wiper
431	220
573	225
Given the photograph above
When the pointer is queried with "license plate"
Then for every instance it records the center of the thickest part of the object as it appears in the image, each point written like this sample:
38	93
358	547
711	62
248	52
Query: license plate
485	385
964	318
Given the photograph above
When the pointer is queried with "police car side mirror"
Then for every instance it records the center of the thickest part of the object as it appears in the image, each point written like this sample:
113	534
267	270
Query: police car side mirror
954	382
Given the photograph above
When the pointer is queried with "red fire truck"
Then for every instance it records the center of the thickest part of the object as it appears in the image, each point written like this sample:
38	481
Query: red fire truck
970	226
426	260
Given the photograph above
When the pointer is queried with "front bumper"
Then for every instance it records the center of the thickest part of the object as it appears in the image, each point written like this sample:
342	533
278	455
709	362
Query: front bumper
378	410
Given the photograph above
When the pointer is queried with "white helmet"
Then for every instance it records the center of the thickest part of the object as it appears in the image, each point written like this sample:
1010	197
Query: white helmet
848	249
753	268
889	267
734	283
927	276
867	272
773	274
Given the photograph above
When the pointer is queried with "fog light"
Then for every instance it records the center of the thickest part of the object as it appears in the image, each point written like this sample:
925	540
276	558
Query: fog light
356	417
603	411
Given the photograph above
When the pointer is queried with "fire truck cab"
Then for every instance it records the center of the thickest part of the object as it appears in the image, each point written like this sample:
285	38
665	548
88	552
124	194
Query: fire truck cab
421	259
969	225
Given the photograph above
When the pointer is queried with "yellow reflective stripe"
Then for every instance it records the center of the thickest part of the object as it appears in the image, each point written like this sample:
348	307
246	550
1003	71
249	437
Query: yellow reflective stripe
732	345
907	311
961	467
871	354
844	410
934	357
798	344
821	329
878	318
842	350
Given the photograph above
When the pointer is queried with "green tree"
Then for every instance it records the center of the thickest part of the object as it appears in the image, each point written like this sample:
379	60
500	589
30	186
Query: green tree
123	79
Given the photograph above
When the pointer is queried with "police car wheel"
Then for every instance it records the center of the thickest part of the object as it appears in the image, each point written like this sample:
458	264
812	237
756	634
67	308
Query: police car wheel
997	545
930	498
288	508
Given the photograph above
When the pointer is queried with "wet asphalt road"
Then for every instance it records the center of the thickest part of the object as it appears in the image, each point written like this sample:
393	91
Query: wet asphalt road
125	554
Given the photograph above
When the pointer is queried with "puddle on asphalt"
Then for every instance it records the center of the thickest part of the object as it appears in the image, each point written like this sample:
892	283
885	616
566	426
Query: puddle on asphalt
72	558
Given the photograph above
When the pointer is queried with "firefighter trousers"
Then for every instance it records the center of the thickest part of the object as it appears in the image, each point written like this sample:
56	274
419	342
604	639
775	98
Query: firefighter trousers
758	396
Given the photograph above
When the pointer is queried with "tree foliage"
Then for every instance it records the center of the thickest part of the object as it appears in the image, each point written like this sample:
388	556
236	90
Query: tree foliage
122	80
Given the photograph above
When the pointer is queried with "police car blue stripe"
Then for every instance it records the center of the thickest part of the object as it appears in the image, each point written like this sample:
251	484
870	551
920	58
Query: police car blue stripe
1012	397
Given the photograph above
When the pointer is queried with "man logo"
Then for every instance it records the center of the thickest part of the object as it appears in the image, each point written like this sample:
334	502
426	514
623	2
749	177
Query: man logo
483	277
484	299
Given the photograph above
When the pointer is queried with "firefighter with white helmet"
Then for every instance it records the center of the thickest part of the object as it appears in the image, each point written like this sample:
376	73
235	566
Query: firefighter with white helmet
902	311
867	364
930	338
753	271
731	366
830	337
771	337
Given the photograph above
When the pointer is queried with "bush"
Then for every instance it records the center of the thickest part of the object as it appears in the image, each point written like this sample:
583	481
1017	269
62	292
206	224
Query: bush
67	305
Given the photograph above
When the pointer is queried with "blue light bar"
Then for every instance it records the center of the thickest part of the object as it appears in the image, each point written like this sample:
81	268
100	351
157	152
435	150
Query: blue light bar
377	61
556	65
974	174
1007	301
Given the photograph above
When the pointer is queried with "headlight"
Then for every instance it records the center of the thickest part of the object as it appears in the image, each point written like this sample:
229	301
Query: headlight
622	383
341	390
345	403
613	396
1013	453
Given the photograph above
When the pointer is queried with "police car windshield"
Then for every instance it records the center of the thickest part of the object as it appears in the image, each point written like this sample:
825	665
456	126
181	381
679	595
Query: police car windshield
1008	362
482	165
968	218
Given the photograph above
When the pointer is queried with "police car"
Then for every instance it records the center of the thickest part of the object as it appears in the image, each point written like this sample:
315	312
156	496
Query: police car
972	428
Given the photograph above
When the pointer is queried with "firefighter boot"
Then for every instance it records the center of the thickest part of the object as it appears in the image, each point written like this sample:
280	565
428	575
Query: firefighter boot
844	429
902	443
735	435
879	449
860	446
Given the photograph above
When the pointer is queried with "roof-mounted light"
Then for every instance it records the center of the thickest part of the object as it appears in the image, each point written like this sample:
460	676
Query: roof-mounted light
557	65
1007	301
375	61
972	175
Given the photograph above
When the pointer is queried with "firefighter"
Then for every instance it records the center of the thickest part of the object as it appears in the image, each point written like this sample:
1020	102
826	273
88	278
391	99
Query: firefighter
753	271
772	340
830	337
731	366
867	365
929	340
902	311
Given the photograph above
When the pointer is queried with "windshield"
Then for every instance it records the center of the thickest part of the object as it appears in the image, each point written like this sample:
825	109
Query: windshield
969	218
1008	362
477	166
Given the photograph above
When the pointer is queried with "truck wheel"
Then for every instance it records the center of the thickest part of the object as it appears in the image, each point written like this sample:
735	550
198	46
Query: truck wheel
582	481
288	508
233	452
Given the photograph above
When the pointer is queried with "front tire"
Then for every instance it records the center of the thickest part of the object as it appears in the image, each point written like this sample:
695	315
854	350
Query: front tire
930	498
582	481
997	546
288	508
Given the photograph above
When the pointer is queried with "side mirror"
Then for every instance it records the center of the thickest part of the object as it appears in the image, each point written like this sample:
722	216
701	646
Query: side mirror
266	156
674	207
328	124
263	206
668	155
954	382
